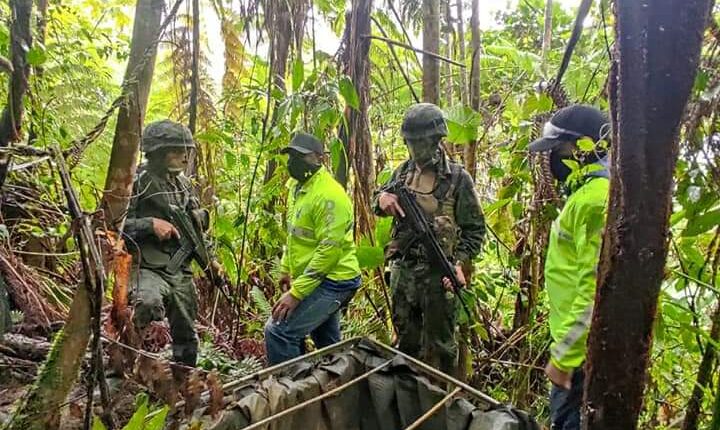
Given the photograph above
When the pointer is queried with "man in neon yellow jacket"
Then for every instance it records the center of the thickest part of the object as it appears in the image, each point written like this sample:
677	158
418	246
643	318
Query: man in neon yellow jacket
575	136
319	268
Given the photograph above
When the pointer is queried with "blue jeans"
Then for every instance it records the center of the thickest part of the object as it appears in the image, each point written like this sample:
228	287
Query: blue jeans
317	315
565	404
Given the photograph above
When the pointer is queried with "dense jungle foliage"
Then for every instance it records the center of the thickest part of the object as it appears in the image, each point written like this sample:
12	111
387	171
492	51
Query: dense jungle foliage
267	69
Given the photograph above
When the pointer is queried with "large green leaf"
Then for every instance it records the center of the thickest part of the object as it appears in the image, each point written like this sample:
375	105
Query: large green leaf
370	257
137	420
157	422
36	56
348	93
702	223
336	151
298	74
383	228
463	124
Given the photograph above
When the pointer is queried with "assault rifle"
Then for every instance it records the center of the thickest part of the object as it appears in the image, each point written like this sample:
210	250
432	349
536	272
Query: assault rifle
193	246
415	217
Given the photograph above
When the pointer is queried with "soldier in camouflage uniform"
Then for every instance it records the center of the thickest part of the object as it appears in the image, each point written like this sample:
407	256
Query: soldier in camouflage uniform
423	311
149	232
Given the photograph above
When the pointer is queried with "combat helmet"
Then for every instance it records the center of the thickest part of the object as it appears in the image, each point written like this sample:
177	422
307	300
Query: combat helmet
166	134
423	120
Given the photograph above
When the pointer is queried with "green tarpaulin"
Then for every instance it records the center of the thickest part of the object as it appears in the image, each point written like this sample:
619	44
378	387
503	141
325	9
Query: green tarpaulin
390	399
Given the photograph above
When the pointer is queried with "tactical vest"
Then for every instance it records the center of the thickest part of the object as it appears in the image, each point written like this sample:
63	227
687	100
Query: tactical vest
154	197
438	203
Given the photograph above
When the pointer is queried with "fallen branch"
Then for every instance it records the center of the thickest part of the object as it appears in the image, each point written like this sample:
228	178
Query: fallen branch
23	347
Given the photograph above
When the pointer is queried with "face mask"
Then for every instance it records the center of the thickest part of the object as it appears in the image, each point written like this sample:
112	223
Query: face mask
423	151
300	169
559	169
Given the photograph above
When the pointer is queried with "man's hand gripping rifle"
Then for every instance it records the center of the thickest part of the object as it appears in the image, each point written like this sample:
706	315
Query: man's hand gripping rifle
415	217
193	246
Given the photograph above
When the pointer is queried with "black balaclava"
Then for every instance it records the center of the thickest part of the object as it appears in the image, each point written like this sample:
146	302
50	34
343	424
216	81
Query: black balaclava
558	168
300	169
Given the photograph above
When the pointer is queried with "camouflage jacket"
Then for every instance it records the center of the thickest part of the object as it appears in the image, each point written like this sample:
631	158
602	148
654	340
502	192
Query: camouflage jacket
151	197
453	191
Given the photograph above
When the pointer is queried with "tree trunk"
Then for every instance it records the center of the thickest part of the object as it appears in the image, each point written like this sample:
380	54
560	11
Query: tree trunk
41	23
131	115
431	43
704	376
20	43
357	140
461	52
281	34
448	35
192	166
652	91
715	424
195	78
472	147
299	12
547	32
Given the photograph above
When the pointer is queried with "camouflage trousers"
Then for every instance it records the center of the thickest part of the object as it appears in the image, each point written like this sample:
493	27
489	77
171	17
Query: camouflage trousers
424	314
156	295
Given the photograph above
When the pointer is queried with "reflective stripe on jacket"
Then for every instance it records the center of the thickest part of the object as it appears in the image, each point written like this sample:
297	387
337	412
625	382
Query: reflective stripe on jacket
320	234
570	270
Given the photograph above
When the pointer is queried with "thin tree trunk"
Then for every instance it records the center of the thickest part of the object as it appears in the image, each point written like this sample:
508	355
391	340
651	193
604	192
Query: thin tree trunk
704	376
472	147
194	85
464	97
281	34
357	140
41	22
715	424
20	43
431	43
300	11
547	32
448	34
131	115
652	90
195	78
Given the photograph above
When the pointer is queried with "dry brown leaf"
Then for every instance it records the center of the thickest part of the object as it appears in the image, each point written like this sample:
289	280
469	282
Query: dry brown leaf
165	386
147	370
192	391
76	410
216	402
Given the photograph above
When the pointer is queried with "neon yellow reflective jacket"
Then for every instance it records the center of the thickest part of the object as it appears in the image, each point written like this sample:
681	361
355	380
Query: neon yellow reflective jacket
320	234
570	270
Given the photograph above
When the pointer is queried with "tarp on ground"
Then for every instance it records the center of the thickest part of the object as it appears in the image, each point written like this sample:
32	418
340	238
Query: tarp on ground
391	399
